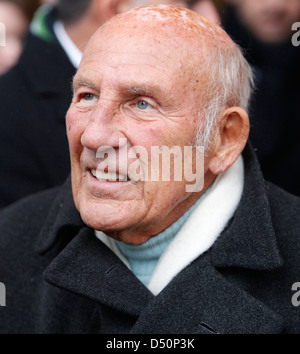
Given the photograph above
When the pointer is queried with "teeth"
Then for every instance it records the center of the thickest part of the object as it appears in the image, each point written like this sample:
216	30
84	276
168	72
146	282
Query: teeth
108	176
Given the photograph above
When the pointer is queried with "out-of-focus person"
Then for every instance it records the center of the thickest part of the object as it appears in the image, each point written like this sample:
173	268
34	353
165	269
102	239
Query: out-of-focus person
206	8
209	9
34	153
270	21
16	16
50	2
264	29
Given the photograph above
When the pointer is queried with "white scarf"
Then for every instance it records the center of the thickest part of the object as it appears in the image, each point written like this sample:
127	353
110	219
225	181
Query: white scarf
199	232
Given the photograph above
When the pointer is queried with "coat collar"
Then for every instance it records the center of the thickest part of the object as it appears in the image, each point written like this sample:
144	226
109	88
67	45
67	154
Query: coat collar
249	240
85	265
62	215
198	300
88	268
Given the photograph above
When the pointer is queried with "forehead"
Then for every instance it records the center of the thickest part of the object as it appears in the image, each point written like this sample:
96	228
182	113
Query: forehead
135	49
168	28
138	56
169	41
139	67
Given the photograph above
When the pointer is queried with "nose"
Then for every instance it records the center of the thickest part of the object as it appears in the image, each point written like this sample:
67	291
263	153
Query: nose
104	128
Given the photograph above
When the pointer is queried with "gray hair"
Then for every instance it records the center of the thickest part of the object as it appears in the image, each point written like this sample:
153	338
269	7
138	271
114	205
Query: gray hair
231	83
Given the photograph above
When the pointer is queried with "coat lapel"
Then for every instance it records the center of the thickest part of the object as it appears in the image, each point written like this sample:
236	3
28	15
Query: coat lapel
84	265
201	300
89	268
249	241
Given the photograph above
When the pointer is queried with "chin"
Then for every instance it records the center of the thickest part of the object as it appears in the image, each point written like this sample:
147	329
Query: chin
128	236
105	217
119	227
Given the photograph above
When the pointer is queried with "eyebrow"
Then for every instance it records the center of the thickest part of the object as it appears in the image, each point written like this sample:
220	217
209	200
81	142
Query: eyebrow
137	90
79	82
143	90
134	89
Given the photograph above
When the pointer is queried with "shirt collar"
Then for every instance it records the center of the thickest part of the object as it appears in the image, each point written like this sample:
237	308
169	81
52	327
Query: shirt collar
73	53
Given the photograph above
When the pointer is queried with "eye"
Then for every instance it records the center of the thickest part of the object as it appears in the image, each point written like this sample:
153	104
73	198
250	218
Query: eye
87	96
143	105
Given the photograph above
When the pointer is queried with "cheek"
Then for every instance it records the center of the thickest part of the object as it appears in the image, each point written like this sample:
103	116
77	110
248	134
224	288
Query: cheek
75	125
163	134
75	130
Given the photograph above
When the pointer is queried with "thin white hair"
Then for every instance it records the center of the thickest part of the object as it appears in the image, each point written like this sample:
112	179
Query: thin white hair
230	84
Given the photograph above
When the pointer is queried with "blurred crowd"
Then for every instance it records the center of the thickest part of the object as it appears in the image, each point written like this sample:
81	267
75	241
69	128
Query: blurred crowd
16	15
44	42
263	28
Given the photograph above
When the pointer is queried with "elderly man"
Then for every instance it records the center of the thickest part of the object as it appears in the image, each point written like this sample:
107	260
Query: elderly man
116	250
34	151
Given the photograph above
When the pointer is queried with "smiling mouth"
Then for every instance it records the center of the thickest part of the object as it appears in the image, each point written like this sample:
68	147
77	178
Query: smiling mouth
109	176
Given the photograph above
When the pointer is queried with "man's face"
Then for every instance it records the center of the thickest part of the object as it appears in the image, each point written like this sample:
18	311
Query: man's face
134	87
269	20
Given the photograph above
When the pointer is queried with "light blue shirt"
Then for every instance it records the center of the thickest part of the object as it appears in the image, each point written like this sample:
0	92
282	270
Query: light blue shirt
143	258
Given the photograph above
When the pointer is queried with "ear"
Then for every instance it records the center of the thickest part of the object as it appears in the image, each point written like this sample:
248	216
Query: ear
230	139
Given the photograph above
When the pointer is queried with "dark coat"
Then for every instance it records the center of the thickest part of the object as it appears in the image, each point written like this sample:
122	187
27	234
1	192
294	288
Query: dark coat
34	98
61	279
